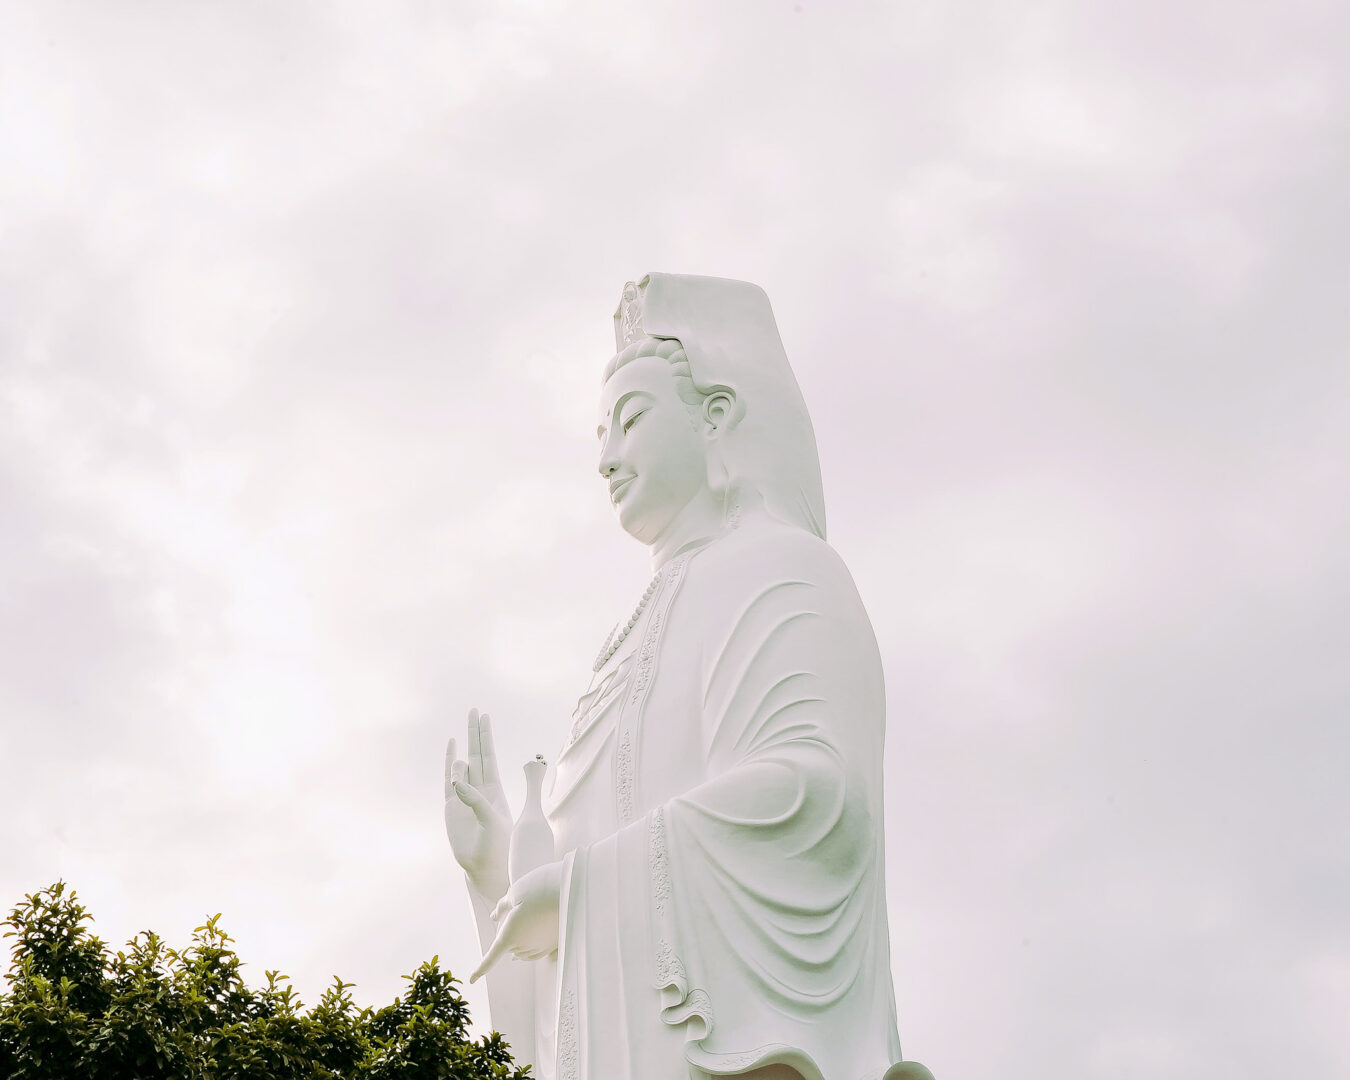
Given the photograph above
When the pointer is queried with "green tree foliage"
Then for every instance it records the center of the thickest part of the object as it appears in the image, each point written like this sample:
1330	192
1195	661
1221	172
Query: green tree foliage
71	1010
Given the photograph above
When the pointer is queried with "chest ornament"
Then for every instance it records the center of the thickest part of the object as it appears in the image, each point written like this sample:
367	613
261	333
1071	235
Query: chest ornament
617	635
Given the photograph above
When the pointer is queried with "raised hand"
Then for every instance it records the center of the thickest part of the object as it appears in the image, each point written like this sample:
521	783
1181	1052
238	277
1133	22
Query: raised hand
477	817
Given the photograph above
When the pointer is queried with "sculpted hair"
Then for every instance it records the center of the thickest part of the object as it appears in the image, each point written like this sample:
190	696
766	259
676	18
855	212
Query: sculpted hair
668	349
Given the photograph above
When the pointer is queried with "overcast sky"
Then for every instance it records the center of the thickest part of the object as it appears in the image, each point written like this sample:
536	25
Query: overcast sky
303	309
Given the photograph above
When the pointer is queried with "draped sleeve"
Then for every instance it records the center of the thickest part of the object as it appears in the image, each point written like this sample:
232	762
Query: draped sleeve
750	880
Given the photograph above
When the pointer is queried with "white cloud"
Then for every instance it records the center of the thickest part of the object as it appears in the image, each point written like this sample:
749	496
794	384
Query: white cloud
302	324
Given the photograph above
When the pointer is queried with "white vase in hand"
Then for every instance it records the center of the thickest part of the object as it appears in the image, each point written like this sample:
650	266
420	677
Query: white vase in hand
531	838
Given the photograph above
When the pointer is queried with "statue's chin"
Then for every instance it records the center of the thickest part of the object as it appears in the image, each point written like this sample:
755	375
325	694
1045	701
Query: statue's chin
646	528
638	521
649	523
635	525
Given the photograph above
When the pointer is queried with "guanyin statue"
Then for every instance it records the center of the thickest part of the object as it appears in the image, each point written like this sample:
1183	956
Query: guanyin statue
713	900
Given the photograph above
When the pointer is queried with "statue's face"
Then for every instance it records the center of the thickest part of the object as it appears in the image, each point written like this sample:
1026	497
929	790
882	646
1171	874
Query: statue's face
651	455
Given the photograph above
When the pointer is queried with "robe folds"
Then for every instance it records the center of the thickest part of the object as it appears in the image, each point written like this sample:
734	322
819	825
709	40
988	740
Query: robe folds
718	809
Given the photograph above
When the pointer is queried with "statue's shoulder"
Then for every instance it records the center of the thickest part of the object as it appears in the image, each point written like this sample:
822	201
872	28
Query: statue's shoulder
765	551
762	567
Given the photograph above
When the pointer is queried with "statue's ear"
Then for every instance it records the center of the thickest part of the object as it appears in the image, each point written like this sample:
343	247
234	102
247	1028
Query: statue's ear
719	410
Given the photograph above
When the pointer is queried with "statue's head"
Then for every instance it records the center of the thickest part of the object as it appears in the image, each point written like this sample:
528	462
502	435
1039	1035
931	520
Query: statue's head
657	431
699	403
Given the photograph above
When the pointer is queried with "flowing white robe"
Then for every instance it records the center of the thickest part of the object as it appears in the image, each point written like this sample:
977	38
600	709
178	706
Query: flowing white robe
718	807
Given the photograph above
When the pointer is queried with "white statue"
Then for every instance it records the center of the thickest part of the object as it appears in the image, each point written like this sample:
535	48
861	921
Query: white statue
714	900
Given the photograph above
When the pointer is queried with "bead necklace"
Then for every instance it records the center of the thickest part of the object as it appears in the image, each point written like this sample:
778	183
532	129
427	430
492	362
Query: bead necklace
617	635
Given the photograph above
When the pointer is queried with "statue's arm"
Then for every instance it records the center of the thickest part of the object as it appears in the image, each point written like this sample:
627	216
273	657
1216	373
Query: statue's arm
793	713
791	724
478	824
510	987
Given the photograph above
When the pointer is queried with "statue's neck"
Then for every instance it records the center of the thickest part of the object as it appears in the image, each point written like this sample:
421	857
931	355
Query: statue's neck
701	521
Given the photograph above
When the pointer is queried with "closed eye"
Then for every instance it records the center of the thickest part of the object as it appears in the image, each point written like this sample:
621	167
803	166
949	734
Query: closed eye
632	420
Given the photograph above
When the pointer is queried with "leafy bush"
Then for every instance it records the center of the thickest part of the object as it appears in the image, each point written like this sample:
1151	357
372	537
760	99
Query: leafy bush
73	1011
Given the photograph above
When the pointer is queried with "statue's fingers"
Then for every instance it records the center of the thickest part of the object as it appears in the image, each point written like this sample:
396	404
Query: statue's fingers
471	797
503	908
496	950
474	756
450	767
487	749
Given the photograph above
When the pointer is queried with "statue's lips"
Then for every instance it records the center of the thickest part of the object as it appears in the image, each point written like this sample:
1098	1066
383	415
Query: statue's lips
617	486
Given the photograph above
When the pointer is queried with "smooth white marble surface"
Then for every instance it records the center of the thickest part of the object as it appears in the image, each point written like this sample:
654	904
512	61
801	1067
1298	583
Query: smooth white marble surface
697	886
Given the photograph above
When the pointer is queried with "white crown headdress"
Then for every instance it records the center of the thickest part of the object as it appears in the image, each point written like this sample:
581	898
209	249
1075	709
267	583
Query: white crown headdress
628	319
